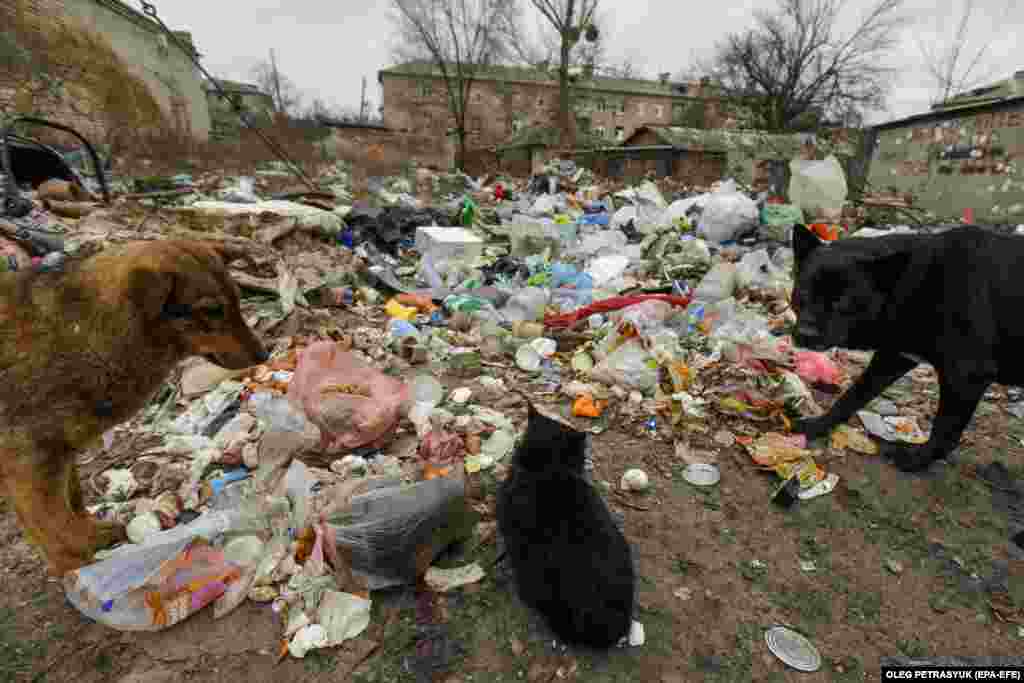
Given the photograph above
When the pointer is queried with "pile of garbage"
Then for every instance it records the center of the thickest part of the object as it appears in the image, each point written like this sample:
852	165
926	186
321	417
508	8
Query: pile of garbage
341	465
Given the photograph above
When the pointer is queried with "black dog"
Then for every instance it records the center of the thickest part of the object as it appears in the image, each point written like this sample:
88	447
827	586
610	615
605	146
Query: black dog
953	300
570	561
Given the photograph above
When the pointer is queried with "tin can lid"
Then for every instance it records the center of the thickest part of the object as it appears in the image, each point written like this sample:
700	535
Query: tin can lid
792	648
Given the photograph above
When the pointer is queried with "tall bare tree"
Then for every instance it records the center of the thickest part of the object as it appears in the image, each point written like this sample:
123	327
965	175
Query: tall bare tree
794	69
457	38
953	67
573	22
280	88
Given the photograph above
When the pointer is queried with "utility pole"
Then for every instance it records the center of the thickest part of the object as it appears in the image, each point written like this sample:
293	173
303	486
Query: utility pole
362	103
277	81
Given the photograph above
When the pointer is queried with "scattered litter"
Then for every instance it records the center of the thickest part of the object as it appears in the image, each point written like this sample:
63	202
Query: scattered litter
700	474
792	648
445	580
634	480
892	428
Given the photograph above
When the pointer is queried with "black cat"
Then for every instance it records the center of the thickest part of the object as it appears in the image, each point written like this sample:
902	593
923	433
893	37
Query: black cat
570	561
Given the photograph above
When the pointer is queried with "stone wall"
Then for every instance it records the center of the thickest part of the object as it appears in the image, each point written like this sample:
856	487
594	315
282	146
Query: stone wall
955	162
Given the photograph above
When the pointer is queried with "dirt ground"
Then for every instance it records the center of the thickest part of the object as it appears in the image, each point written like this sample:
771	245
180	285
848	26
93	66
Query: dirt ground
887	564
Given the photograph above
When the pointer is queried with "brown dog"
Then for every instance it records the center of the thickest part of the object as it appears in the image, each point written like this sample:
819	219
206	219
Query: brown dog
84	350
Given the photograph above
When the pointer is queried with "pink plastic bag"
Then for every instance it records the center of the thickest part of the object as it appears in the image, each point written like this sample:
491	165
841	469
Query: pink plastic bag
813	366
352	403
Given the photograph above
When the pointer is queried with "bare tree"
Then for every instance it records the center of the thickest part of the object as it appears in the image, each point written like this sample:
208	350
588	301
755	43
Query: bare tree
457	38
573	21
952	67
280	88
793	69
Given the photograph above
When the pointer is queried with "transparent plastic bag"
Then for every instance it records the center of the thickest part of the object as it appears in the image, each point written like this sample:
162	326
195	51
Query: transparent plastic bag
629	365
155	585
527	305
719	283
388	533
727	213
817	186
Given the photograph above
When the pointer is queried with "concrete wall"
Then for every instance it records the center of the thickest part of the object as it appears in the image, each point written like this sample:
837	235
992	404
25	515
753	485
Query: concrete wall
497	109
171	76
954	162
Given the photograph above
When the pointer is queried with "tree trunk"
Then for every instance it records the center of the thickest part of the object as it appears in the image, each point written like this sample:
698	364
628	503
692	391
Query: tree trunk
564	120
460	151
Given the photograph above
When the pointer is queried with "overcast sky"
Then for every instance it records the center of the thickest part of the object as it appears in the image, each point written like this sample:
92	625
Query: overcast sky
327	47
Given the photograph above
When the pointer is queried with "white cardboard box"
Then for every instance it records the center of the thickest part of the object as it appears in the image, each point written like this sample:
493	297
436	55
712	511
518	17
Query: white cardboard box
449	244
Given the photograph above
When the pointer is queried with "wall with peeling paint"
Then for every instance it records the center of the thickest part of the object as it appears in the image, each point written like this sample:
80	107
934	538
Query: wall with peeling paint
957	161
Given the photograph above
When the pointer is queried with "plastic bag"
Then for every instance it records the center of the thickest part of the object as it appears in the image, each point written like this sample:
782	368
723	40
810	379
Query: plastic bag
757	271
607	270
682	208
526	306
693	251
812	366
623	216
719	283
630	365
391	534
352	403
150	587
818	186
727	213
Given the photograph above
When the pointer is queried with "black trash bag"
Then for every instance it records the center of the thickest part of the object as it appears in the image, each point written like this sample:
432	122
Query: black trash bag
387	227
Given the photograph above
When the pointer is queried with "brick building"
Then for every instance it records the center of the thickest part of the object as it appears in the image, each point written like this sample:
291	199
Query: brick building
507	100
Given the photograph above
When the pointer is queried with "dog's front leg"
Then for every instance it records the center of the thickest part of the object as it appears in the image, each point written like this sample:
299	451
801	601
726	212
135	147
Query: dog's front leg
959	396
884	369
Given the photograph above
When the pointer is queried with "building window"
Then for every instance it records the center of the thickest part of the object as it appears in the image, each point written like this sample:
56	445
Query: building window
620	133
640	109
658	111
600	131
424	89
518	123
602	105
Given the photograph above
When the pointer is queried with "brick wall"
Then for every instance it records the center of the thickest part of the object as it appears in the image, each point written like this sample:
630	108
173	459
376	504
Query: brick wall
388	151
497	108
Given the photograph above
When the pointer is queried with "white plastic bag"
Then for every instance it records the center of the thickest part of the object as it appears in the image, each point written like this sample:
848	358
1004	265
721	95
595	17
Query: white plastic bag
757	271
607	270
719	283
727	213
817	186
679	208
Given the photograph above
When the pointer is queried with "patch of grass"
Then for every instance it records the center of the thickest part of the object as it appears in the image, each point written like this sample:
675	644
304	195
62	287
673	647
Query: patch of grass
734	666
104	663
16	654
683	566
812	608
727	536
914	648
319	662
849	670
863	607
398	641
809	517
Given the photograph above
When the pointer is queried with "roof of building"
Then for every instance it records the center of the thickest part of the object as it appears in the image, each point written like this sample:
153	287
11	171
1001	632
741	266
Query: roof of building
545	136
521	74
1003	92
731	140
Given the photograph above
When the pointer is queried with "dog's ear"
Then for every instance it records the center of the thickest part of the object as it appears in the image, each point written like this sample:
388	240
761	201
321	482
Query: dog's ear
150	291
804	242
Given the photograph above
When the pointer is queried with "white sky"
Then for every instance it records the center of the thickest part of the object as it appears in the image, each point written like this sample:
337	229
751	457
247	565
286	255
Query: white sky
327	47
